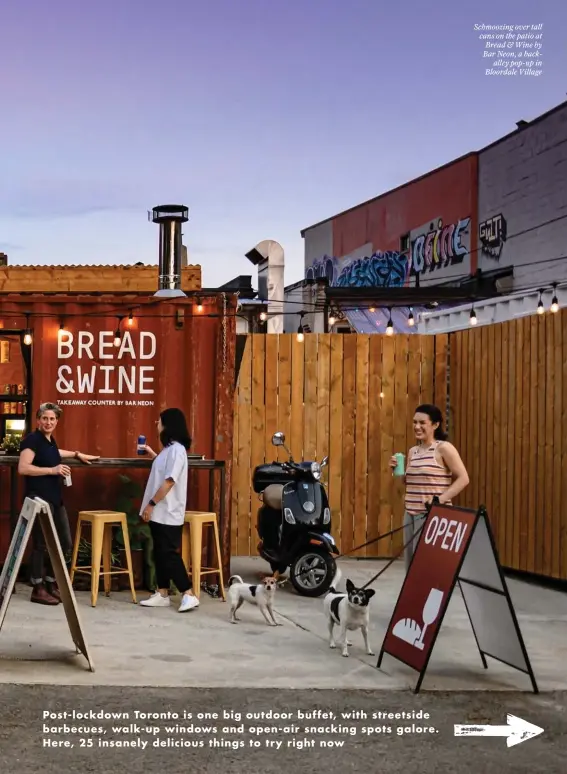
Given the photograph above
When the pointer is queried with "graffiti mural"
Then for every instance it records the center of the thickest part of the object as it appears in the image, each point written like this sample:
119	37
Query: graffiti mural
381	270
492	234
439	247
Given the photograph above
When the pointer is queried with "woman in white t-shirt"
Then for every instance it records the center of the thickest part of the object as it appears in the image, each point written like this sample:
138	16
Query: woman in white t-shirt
163	506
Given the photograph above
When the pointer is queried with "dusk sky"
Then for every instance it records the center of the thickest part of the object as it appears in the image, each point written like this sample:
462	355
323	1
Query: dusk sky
262	116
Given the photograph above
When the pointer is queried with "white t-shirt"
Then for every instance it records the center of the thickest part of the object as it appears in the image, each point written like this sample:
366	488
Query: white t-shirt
171	462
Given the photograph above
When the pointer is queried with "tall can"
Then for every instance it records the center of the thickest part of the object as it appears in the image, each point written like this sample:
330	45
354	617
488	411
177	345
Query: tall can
400	468
67	481
141	444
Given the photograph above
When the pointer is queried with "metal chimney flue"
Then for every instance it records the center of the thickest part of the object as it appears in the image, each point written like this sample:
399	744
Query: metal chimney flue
170	217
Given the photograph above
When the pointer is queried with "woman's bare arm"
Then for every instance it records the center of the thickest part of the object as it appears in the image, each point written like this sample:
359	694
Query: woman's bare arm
453	460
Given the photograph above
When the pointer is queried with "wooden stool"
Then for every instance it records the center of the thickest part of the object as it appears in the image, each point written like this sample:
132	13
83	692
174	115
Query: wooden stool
101	527
192	548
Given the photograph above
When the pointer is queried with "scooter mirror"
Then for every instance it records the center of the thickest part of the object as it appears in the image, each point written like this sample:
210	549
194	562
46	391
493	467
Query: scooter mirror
324	462
278	439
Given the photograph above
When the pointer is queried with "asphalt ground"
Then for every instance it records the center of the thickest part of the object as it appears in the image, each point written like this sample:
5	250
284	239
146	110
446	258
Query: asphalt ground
272	744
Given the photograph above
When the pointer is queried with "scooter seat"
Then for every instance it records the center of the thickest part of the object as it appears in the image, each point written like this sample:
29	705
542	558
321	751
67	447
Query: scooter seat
272	496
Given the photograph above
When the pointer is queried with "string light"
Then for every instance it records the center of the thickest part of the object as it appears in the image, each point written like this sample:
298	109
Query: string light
472	319
554	301
411	321
372	309
199	305
390	325
300	334
131	319
263	316
540	309
332	320
117	333
27	335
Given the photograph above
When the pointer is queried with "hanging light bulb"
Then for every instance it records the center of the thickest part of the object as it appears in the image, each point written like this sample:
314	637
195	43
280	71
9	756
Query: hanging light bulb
332	320
390	325
372	309
117	333
130	320
27	334
263	316
540	309
411	321
554	301
199	305
300	334
472	319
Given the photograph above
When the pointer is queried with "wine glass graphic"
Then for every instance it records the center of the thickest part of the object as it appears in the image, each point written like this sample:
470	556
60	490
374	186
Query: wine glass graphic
430	612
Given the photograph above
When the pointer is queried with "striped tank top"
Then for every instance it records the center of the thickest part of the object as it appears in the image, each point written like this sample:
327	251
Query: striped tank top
425	478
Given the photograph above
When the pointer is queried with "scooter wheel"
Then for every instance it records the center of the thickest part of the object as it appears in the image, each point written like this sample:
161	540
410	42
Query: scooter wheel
316	583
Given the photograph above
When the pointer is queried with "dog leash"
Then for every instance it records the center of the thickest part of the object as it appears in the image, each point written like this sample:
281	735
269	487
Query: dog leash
393	559
375	540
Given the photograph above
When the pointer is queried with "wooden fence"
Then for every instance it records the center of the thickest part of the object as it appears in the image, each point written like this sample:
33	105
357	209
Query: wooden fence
351	397
508	392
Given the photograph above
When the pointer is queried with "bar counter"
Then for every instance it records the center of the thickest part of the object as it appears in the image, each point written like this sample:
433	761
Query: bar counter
195	462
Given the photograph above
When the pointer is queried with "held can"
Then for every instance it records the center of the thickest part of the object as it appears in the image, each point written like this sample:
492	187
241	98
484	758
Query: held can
141	443
67	480
400	468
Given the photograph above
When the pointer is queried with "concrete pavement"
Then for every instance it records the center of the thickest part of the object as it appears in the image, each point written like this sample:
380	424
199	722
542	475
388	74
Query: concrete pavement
134	646
427	745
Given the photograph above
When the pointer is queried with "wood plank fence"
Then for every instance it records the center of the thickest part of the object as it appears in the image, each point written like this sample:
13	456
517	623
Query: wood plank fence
351	397
508	391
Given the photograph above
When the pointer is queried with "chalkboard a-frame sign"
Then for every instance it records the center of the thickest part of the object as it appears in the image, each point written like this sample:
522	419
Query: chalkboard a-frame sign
33	509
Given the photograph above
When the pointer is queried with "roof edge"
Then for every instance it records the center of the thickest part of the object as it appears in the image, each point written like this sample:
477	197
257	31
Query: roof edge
514	132
392	190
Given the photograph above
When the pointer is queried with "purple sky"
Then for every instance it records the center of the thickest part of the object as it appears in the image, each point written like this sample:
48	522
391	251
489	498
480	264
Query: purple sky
262	116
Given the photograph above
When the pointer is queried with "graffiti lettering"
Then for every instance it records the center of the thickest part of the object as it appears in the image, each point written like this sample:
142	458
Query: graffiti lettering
492	234
439	248
389	269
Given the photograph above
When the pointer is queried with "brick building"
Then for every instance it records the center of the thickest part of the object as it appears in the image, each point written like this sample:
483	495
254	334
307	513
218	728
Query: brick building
522	202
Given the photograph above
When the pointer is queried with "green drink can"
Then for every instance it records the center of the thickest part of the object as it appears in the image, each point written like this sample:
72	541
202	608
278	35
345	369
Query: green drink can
400	468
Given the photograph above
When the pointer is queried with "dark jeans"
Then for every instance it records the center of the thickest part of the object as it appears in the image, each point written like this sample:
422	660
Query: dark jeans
168	561
40	563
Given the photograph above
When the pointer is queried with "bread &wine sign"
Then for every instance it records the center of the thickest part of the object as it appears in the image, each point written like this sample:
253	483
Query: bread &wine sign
94	369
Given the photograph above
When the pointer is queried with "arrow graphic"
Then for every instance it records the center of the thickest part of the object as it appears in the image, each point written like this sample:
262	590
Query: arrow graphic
517	730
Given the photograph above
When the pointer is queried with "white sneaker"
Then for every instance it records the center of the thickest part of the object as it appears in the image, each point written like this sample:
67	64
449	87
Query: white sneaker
156	600
189	602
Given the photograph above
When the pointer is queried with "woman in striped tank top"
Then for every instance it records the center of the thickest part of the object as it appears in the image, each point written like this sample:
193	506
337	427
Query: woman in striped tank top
434	469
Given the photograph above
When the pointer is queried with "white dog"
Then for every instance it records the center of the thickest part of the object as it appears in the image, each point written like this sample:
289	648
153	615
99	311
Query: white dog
349	612
261	594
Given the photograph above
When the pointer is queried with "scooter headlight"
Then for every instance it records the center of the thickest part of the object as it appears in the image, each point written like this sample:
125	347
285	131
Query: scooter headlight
288	516
316	470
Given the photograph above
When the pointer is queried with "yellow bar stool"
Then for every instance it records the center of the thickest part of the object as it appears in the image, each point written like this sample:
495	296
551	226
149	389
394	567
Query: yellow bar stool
192	548
101	550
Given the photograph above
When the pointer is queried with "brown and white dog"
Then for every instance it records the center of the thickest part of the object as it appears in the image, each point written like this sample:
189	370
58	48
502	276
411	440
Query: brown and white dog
259	594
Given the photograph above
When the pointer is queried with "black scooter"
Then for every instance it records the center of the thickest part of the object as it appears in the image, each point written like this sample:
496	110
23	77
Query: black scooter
294	522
